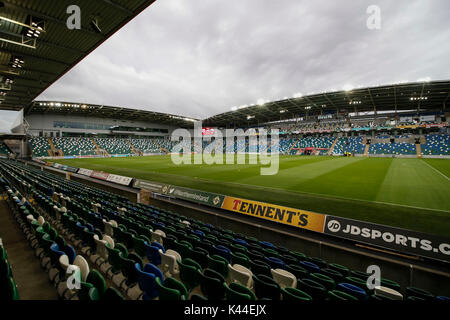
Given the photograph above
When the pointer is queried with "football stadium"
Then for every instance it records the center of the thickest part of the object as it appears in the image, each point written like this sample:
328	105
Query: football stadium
339	195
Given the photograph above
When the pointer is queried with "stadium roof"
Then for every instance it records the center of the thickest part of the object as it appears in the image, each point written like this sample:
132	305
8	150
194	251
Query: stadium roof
4	136
418	96
100	111
37	48
421	96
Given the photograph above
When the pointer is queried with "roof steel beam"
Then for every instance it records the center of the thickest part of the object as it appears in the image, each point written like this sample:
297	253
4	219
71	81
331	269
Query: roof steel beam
118	6
47	43
49	18
32	56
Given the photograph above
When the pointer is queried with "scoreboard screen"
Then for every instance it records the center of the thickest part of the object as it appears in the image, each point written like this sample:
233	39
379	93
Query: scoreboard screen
208	131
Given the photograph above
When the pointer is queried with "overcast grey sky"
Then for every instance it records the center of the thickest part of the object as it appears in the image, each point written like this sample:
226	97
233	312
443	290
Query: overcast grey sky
202	57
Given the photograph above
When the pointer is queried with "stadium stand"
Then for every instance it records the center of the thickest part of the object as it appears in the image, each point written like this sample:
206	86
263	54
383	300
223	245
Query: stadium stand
286	145
436	144
148	253
4	150
315	142
393	148
148	145
8	287
75	146
114	145
39	146
166	144
353	145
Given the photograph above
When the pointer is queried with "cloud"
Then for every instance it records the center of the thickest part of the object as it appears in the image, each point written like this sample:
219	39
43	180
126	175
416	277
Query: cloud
199	58
7	119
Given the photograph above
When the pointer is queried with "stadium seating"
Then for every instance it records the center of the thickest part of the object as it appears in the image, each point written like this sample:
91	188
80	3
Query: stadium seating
353	145
393	148
4	150
285	145
148	145
75	146
8	287
315	142
39	146
436	144
198	260
114	145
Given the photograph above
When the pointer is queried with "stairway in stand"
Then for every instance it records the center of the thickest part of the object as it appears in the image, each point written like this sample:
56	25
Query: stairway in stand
366	150
98	150
294	144
418	150
135	151
330	151
53	152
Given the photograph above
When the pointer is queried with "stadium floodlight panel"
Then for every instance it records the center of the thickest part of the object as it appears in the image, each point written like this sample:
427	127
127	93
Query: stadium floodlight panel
298	95
260	102
34	27
17	62
418	98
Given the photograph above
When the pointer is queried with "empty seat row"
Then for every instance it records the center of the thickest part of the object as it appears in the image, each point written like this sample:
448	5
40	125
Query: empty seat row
139	248
8	287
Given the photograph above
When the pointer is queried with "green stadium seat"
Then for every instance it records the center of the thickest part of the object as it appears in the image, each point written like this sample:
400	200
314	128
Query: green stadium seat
240	258
260	267
211	284
96	279
316	290
266	288
238	292
336	295
326	281
219	264
189	273
340	268
294	294
297	270
171	289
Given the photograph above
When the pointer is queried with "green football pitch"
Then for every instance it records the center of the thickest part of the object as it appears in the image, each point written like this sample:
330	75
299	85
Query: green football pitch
407	193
